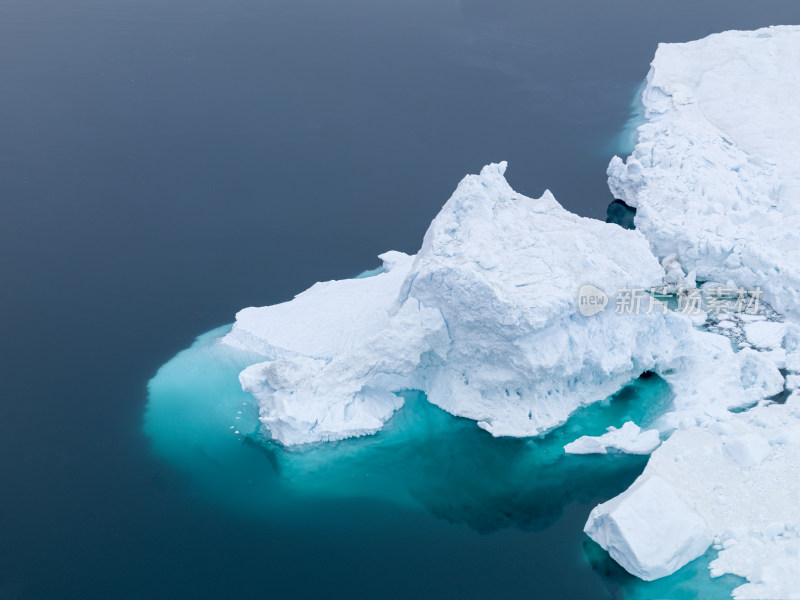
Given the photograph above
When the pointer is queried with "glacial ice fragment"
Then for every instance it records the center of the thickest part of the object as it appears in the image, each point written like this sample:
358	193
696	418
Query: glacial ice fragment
484	320
649	530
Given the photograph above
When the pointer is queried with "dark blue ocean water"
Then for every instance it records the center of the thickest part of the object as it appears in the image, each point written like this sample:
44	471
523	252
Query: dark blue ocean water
163	164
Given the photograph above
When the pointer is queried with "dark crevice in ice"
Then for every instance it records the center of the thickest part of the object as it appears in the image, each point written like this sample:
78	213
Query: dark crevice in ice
621	214
782	396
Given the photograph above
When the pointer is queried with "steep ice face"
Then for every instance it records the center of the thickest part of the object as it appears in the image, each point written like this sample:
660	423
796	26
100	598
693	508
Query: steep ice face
715	175
485	321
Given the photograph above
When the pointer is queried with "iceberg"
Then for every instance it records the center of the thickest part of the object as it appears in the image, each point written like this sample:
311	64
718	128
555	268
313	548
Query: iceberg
715	179
715	174
488	321
506	316
484	319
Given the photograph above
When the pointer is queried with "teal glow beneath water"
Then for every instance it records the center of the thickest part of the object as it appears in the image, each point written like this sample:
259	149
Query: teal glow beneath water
370	273
624	142
200	420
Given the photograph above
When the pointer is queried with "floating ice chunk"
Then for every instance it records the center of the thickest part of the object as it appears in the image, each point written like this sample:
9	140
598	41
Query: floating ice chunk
484	320
649	530
629	439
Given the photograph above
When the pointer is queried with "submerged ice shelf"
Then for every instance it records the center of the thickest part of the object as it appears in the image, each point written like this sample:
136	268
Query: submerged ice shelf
200	420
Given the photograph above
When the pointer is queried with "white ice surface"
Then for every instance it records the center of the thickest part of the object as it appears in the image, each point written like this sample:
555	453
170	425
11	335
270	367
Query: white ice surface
629	439
765	334
484	320
715	175
649	529
741	476
738	471
325	320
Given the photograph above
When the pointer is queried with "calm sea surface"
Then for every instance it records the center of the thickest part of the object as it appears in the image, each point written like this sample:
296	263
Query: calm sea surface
165	163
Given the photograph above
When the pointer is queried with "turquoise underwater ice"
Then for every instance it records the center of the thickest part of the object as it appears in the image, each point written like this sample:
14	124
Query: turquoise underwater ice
201	422
625	141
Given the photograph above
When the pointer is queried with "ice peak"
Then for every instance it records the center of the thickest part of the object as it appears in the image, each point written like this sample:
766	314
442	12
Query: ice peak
494	170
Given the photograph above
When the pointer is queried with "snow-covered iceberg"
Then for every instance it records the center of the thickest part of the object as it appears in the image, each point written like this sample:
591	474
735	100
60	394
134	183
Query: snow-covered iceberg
715	179
506	316
715	175
484	319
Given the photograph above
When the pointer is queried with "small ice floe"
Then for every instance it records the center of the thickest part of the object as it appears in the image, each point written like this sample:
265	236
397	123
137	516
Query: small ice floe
629	439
